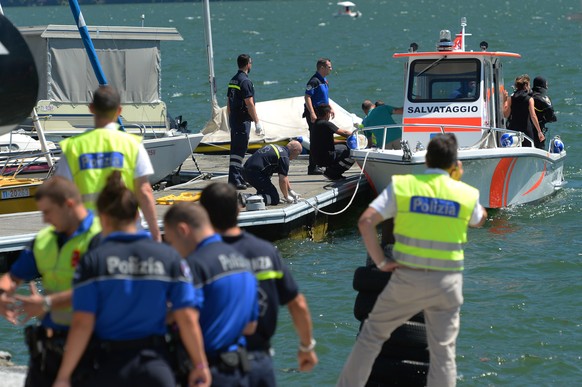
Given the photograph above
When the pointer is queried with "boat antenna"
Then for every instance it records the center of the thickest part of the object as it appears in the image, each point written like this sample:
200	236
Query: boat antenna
89	48
210	52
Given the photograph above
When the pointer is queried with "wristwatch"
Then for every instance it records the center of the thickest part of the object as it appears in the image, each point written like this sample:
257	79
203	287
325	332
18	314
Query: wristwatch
309	348
46	304
383	263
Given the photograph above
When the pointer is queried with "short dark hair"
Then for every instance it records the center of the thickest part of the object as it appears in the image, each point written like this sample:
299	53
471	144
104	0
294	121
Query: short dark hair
379	103
322	62
367	105
106	100
192	214
322	110
58	190
442	151
243	60
221	202
116	200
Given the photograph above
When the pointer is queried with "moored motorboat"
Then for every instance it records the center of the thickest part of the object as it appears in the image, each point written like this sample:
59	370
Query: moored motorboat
452	90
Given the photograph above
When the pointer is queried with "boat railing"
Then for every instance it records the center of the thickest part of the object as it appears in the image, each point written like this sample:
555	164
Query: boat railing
490	135
17	163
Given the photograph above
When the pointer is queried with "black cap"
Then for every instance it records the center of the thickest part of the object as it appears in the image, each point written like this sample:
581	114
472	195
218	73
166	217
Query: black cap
540	82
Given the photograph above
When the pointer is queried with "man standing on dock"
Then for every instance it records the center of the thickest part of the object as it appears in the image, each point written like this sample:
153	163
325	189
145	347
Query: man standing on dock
316	94
276	287
54	255
89	158
241	112
431	213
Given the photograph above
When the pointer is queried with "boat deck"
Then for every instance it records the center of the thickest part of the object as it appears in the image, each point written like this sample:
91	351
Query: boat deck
17	230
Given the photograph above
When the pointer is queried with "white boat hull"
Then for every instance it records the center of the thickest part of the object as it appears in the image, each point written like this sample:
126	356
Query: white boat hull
168	153
504	176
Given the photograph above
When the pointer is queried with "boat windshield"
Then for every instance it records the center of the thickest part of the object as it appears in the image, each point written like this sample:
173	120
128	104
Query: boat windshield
447	80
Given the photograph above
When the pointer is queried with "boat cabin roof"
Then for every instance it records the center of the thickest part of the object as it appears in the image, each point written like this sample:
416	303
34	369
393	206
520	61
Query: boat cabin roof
457	53
103	32
346	4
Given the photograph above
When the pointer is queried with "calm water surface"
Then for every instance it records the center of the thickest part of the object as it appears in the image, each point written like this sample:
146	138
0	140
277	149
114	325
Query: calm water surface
521	322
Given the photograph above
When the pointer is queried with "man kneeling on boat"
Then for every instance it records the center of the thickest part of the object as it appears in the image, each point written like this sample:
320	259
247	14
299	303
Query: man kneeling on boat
259	168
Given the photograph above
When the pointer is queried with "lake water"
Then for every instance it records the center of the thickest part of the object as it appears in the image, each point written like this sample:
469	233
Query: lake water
522	318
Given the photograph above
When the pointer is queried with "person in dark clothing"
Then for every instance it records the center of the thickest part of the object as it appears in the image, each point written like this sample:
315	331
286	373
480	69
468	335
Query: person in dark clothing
543	107
268	160
241	112
521	111
326	152
276	287
316	93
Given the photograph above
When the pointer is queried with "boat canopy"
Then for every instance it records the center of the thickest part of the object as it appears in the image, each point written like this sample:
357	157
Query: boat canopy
346	4
130	56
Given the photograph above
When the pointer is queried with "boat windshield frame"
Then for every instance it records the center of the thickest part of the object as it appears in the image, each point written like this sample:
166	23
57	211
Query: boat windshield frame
444	80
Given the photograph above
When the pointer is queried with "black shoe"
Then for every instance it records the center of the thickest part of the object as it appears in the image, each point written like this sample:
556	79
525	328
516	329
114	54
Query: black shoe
241	186
242	199
315	171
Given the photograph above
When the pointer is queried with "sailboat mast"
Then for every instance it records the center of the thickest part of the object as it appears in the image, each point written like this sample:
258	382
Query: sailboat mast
210	52
89	48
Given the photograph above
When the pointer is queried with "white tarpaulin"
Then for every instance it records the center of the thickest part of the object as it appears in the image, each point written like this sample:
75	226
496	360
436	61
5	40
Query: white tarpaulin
281	119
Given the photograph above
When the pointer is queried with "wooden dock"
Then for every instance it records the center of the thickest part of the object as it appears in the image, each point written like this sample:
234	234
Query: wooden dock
318	194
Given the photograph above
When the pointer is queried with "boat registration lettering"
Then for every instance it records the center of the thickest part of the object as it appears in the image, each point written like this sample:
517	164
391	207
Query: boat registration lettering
47	108
434	206
15	193
151	152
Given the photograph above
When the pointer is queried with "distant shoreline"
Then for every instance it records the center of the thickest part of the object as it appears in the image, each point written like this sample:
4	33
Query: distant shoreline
42	3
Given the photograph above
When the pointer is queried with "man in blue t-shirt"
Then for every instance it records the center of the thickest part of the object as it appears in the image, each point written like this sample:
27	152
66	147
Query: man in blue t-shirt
226	286
276	287
316	94
380	115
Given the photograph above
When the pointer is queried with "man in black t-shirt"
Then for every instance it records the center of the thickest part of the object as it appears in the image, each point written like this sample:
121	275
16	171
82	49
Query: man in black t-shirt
276	287
326	152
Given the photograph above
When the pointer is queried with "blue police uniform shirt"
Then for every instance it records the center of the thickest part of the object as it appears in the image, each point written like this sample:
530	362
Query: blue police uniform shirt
25	267
267	161
228	291
240	88
127	283
318	89
276	285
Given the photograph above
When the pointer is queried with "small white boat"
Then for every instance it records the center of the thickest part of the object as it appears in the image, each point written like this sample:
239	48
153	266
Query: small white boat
168	153
505	172
346	9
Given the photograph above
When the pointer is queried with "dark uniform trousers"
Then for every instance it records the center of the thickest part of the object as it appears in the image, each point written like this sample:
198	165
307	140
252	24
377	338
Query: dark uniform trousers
312	165
239	142
262	373
340	161
263	185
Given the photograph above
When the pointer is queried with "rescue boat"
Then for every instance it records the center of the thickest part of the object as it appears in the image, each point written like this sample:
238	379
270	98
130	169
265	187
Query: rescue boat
452	90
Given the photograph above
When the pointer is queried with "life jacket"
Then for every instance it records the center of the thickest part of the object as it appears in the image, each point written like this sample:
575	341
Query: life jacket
93	155
57	266
430	228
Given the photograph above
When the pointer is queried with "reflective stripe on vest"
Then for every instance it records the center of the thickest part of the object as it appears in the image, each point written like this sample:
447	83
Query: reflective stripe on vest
93	155
57	266
433	212
276	151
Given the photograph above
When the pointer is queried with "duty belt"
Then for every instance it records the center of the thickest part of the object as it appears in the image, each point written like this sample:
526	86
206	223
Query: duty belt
125	345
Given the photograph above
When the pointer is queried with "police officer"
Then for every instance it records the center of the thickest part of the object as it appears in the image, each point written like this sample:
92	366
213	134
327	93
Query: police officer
431	213
122	290
229	308
335	157
276	287
270	159
316	93
241	111
89	158
54	254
